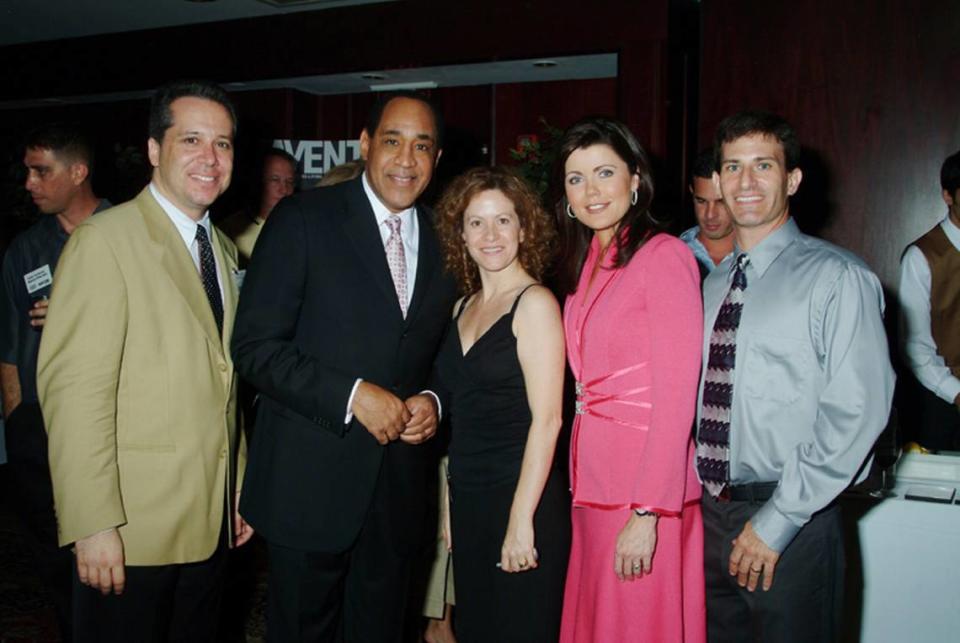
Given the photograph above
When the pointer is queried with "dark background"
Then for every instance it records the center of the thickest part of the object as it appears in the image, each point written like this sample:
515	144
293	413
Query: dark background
872	86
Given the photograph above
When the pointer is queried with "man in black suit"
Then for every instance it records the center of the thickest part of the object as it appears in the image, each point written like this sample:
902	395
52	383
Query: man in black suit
342	312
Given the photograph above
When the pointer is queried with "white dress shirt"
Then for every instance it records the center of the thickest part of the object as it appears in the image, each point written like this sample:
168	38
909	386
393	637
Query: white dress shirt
187	228
919	349
410	234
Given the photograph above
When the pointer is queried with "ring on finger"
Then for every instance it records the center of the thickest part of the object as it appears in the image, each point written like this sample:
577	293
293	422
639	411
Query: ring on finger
522	563
636	567
756	571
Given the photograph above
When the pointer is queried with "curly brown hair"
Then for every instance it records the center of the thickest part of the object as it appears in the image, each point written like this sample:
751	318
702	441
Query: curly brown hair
536	250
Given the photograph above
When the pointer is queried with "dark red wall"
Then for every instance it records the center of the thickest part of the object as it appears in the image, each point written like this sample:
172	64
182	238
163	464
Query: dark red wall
873	88
411	33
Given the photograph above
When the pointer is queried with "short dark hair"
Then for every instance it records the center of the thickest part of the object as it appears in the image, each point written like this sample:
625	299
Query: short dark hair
161	118
637	224
704	165
950	173
376	112
68	142
276	152
750	122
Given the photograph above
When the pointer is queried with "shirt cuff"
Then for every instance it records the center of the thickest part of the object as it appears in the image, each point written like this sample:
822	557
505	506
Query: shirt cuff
353	391
774	529
436	398
949	389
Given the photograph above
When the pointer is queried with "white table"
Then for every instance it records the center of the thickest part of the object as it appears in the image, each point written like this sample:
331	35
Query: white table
910	556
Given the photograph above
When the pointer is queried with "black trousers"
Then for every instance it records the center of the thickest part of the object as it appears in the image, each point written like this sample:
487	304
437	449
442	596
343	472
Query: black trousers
806	600
29	474
159	604
358	596
937	422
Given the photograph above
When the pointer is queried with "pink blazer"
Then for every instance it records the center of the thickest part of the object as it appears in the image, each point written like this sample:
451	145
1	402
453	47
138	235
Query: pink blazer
634	345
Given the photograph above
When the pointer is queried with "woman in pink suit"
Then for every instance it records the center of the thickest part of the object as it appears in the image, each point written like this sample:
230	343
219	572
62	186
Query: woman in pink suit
633	326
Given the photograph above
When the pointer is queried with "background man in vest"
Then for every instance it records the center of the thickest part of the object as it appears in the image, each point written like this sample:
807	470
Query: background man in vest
930	319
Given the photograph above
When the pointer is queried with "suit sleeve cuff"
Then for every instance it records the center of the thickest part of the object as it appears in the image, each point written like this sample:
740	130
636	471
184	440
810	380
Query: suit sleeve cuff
349	416
773	528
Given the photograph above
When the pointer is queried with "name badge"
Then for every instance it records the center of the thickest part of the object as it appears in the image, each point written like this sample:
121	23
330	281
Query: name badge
38	279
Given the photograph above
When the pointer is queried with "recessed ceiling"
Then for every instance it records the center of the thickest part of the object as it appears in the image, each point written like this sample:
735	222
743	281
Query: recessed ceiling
489	73
23	21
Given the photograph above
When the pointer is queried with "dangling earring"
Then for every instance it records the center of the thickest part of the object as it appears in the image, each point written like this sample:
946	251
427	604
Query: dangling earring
570	212
634	197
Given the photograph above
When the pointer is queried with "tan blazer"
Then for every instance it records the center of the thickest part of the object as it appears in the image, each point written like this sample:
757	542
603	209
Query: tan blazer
138	391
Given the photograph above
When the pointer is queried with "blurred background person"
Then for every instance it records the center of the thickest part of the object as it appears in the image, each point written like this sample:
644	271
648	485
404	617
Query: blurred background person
340	173
279	179
930	317
712	238
59	163
501	367
440	600
633	327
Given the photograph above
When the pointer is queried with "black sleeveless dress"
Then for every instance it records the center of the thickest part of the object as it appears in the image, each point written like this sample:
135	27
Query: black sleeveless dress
490	419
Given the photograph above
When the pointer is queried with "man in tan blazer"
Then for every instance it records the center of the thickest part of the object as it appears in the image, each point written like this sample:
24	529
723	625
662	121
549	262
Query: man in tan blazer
139	393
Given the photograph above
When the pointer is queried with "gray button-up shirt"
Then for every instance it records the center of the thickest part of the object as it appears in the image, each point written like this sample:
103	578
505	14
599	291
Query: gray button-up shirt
812	383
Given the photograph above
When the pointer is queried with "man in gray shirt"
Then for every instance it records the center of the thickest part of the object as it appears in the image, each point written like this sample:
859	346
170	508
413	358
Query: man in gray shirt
796	387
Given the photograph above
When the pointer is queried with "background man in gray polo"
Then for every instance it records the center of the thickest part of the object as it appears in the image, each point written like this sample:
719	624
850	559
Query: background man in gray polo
711	240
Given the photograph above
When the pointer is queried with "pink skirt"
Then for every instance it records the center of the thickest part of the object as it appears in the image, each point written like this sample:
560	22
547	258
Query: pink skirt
665	606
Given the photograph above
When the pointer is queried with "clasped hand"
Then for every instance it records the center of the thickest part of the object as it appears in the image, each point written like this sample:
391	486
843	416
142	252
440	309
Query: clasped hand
387	418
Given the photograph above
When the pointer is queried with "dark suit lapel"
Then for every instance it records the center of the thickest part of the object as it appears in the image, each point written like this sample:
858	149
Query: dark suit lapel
176	261
428	257
360	226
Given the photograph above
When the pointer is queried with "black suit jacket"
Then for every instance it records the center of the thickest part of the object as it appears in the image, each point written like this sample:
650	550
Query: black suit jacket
318	309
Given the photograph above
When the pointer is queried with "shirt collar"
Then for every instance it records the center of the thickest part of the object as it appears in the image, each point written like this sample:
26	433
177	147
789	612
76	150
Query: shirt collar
766	252
185	225
690	234
952	231
408	230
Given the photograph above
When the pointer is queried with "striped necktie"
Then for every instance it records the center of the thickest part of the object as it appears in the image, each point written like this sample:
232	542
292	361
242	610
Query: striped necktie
713	436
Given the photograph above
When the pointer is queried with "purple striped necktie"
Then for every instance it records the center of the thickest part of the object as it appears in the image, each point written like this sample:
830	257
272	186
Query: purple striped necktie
713	436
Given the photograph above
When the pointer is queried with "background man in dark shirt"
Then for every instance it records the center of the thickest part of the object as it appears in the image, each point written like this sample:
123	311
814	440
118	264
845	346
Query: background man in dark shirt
59	162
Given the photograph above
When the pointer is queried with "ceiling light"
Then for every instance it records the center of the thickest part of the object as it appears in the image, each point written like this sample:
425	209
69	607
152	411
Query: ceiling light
393	87
293	3
373	75
544	64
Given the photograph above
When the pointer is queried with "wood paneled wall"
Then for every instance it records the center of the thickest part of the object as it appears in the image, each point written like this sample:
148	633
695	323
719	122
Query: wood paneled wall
873	88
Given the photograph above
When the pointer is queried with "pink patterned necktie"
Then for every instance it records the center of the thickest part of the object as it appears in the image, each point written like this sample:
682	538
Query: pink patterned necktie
397	260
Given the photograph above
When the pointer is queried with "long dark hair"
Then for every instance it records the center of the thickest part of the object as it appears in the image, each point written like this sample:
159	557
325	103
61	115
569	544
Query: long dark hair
637	224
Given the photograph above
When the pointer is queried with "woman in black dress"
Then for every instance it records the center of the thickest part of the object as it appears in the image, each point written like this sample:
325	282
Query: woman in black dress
501	367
